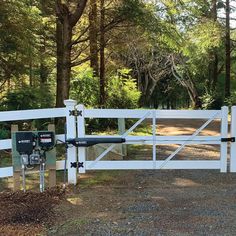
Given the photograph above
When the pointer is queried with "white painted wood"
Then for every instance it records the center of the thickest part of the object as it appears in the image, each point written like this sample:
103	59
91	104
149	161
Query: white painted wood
6	172
123	136
71	133
142	165
190	138
224	134
60	165
160	114
154	139
32	114
233	145
81	134
121	130
131	165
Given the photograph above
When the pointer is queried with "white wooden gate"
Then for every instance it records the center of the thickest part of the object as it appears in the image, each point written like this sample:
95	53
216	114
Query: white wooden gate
168	163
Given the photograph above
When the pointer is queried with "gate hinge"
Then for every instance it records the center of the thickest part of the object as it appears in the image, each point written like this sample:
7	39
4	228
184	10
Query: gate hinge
231	139
75	112
76	165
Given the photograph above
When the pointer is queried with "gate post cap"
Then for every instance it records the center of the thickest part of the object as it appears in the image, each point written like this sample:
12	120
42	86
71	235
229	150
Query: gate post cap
70	102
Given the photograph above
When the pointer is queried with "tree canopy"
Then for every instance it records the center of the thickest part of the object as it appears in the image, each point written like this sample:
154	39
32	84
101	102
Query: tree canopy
117	53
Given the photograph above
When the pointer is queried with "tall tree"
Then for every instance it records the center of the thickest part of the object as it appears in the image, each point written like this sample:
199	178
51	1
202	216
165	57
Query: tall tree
102	53
227	49
67	18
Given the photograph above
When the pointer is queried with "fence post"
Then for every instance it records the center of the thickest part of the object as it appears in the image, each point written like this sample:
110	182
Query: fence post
52	170
71	133
121	131
81	134
16	173
233	145
224	134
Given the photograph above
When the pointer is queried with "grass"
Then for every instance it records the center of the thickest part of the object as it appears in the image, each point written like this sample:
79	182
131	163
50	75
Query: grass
67	226
99	178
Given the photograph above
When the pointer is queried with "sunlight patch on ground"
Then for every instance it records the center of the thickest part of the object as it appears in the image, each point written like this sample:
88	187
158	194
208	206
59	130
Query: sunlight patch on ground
181	182
75	200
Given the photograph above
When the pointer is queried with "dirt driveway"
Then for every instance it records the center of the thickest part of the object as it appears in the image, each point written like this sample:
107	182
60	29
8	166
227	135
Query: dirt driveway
161	202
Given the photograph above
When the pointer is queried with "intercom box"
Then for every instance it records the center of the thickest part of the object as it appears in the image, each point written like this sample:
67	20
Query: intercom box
24	142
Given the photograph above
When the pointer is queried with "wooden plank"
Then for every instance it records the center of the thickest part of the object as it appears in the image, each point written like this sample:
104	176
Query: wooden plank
233	145
32	114
81	134
52	171
224	134
143	165
71	133
16	173
160	114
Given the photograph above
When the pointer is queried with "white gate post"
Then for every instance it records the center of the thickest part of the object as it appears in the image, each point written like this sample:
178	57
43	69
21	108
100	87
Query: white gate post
224	134
233	144
71	133
81	134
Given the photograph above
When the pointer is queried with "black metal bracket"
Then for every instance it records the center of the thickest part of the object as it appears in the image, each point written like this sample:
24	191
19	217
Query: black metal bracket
231	139
75	112
76	165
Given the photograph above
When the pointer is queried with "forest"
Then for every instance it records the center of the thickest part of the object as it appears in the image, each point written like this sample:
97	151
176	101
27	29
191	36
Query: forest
169	54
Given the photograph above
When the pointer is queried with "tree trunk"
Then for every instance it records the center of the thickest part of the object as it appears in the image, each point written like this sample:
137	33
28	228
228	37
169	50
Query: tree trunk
102	54
227	51
66	20
63	38
93	37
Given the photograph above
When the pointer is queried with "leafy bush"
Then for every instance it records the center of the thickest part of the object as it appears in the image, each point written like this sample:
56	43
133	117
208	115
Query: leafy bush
122	91
231	101
27	98
211	101
85	88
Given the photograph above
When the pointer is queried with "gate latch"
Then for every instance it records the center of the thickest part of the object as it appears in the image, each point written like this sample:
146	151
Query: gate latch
231	139
76	165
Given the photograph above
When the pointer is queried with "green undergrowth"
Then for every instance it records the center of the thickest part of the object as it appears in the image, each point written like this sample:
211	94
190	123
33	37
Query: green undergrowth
99	178
71	225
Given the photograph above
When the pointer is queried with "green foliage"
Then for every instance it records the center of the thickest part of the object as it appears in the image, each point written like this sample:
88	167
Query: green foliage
27	98
231	101
211	101
122	91
85	87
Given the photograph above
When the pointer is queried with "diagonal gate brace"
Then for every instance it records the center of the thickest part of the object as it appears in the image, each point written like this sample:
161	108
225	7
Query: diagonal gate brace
123	136
189	139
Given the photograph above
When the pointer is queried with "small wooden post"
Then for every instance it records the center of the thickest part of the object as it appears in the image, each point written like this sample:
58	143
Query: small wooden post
52	169
71	133
81	134
121	130
233	144
224	134
16	173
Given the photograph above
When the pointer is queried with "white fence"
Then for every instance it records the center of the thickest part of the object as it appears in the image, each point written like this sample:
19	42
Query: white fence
75	155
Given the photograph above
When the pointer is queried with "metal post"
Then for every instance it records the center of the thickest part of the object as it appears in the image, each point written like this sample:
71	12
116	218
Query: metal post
233	144
81	134
71	133
224	134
